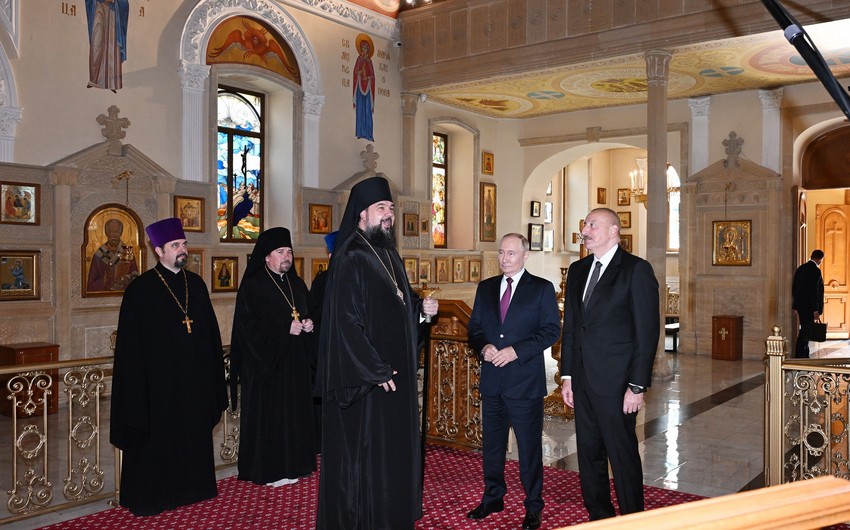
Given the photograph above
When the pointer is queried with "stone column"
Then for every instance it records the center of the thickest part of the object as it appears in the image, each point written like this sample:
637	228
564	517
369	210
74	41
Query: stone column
700	110
657	70
311	112
193	78
409	105
63	180
771	101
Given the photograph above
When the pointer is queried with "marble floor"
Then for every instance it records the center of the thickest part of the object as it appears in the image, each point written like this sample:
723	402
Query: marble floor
700	431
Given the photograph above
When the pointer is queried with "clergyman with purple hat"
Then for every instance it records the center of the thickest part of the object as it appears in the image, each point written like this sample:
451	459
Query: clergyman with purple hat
168	388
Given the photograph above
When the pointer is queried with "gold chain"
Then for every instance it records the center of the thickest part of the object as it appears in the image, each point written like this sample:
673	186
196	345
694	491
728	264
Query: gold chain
186	320
391	275
295	314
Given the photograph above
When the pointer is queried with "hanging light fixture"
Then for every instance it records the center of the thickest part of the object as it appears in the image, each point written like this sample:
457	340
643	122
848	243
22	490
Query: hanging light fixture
637	179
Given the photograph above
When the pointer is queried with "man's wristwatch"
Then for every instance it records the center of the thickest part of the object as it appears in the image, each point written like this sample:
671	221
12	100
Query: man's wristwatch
637	389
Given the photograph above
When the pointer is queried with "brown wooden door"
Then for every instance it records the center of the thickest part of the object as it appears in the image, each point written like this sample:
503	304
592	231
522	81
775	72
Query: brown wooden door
833	237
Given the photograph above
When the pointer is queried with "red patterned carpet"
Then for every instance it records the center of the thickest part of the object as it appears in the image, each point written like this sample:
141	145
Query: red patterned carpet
453	486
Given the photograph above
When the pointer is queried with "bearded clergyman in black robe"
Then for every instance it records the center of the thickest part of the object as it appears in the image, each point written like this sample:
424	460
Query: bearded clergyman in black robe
271	353
371	476
168	388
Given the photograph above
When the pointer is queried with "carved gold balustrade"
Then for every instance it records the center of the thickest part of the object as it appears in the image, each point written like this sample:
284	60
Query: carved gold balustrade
51	461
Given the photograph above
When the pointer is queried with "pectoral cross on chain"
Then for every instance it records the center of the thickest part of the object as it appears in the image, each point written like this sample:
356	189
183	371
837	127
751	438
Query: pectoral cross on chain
188	323
295	314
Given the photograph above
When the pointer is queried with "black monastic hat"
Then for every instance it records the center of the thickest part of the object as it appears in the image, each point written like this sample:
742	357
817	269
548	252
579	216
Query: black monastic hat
269	240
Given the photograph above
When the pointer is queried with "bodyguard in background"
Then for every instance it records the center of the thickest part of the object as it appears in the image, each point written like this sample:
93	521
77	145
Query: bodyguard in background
514	319
608	345
807	294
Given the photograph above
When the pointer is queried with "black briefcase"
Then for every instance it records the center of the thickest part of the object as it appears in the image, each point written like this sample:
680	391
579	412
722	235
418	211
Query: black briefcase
817	332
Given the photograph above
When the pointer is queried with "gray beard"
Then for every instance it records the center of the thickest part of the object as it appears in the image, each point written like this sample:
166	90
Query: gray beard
380	238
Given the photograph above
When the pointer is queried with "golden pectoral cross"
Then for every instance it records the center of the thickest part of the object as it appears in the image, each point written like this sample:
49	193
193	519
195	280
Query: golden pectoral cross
295	315
188	323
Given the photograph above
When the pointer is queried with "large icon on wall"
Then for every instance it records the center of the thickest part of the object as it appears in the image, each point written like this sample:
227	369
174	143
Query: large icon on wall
112	251
732	240
364	87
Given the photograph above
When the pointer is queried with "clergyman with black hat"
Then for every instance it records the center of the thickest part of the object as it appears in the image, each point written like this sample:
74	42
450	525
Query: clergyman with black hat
272	348
372	327
168	388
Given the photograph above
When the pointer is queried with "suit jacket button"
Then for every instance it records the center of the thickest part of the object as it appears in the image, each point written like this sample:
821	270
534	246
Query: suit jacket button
501	336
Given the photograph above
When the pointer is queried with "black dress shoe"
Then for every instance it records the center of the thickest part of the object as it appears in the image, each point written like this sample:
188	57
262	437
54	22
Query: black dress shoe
532	521
483	510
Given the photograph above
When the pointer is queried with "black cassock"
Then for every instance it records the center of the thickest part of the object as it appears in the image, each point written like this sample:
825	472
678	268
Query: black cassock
276	437
371	464
168	393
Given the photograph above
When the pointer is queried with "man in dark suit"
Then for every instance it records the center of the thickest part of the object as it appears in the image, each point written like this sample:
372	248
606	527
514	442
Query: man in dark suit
608	345
807	295
514	319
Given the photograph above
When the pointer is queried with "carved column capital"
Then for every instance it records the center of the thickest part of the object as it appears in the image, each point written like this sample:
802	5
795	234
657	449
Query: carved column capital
64	176
10	117
193	76
657	66
409	103
771	99
700	107
312	104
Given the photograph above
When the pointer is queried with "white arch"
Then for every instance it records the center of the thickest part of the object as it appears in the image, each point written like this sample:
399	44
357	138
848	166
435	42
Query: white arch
206	15
808	136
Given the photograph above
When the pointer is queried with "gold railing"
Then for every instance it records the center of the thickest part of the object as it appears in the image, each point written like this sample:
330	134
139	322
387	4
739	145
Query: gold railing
806	415
54	459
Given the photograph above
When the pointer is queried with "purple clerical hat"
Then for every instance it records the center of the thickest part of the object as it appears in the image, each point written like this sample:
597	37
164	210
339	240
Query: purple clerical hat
165	230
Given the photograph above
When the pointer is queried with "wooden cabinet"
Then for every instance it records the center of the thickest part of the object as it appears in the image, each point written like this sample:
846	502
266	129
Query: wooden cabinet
22	355
727	337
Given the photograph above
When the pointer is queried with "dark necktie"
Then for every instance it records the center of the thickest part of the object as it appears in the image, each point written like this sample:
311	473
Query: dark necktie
506	300
593	279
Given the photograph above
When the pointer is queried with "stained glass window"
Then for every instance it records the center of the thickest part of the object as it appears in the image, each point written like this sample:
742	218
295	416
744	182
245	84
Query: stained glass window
240	164
439	189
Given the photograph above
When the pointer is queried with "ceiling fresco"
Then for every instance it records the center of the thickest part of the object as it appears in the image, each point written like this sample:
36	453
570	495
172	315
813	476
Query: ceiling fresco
746	63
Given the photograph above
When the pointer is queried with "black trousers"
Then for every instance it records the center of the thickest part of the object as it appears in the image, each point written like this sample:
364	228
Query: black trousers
802	348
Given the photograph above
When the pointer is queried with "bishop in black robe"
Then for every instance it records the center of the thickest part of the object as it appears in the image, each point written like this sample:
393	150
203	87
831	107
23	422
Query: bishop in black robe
271	355
168	388
371	475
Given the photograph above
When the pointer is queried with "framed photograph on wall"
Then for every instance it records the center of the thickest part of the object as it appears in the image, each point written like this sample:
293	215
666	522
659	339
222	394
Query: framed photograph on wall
626	242
535	236
425	271
225	274
20	203
19	275
535	209
548	212
190	211
321	218
195	263
625	219
732	242
624	198
487	163
602	195
487	215
411	224
443	270
475	270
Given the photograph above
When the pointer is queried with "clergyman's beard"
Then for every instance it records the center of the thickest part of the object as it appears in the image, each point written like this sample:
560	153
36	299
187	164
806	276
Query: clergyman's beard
380	237
181	260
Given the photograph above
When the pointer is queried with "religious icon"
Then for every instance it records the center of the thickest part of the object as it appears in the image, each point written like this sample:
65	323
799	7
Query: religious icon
190	211
732	240
112	251
487	163
225	274
19	275
474	270
487	205
364	87
321	218
20	203
411	221
107	23
411	268
443	268
459	267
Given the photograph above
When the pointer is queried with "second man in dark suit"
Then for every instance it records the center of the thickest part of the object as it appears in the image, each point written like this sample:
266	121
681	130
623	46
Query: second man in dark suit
807	294
608	345
514	319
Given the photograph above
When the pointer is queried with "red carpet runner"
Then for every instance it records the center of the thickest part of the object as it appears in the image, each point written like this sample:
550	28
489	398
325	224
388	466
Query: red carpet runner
453	486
